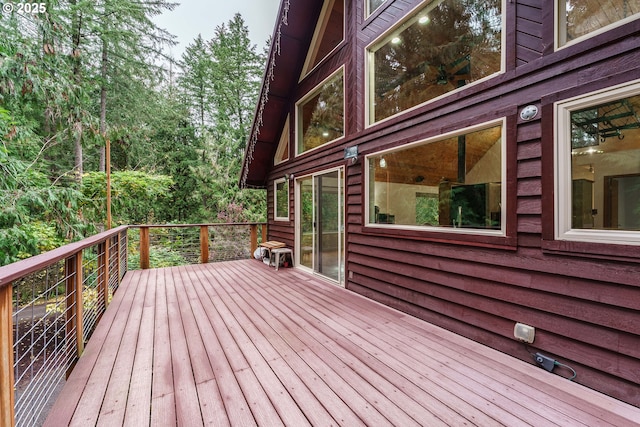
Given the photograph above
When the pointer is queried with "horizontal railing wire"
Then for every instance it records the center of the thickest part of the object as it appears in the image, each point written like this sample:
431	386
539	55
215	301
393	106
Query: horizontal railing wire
114	273
229	243
42	325
174	245
123	253
93	304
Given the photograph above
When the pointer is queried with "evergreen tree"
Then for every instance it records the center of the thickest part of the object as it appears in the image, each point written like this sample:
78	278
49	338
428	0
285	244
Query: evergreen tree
196	82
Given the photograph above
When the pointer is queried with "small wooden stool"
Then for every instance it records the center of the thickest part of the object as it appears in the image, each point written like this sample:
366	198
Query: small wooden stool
270	245
277	253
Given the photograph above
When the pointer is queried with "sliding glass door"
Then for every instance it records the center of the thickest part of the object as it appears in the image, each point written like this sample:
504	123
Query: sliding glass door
320	233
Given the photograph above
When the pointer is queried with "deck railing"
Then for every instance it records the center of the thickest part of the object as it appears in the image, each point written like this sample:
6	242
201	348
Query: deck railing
51	303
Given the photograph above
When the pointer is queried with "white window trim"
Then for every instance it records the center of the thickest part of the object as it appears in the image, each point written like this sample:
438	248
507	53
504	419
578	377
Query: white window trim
275	200
449	230
559	33
369	57
312	93
562	168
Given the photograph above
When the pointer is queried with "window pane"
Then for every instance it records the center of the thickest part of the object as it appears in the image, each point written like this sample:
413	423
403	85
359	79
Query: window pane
442	47
374	4
605	166
454	182
282	200
585	16
331	33
321	117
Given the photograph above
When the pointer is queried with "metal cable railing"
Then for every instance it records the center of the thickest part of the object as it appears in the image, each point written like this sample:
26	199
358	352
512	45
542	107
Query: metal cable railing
50	304
40	331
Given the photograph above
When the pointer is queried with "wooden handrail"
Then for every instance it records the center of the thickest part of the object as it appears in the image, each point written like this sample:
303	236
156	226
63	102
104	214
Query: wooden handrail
16	270
212	224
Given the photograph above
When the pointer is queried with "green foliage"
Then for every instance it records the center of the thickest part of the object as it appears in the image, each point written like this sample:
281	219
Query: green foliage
135	196
86	71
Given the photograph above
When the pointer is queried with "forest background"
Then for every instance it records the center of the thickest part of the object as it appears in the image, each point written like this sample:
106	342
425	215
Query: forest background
74	73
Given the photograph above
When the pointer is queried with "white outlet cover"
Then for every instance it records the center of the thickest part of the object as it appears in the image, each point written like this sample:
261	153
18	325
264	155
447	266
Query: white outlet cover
524	332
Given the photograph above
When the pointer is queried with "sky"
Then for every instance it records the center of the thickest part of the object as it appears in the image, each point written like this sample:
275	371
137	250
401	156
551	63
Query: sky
193	17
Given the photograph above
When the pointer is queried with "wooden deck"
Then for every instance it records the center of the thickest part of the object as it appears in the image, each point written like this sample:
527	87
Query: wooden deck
236	343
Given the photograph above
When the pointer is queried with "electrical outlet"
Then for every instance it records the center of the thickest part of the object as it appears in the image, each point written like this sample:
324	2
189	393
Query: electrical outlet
545	362
524	332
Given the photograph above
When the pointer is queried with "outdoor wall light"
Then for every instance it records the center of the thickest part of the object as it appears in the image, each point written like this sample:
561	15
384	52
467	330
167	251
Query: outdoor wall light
529	112
351	153
288	177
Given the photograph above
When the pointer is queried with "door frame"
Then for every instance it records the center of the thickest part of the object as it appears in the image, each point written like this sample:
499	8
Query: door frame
341	225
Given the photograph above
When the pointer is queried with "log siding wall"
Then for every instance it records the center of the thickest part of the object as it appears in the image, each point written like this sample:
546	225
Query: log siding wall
583	299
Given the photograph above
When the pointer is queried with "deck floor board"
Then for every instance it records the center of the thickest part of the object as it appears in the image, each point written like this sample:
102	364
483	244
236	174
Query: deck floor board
237	343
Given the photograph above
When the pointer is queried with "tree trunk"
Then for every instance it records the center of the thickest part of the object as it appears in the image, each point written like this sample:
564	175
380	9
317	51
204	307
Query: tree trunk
76	117
79	167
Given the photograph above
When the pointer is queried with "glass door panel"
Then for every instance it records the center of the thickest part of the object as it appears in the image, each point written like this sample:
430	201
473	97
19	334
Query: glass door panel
306	229
328	225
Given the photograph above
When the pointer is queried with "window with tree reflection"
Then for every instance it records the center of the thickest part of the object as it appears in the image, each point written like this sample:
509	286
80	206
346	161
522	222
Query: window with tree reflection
581	17
281	202
442	47
321	114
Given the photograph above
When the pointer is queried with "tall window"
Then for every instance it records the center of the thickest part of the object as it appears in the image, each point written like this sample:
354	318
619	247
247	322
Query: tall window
282	152
328	35
577	18
281	200
598	167
442	47
452	181
321	114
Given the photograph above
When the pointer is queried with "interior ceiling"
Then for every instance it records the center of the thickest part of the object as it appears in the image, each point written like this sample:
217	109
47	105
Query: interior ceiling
428	164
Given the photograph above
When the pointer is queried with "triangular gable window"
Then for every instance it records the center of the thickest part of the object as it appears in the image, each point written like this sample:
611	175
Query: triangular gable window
282	153
328	35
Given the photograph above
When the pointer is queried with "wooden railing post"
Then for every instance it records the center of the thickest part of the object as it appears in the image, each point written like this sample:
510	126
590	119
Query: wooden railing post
204	244
74	305
254	238
7	394
144	248
264	233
